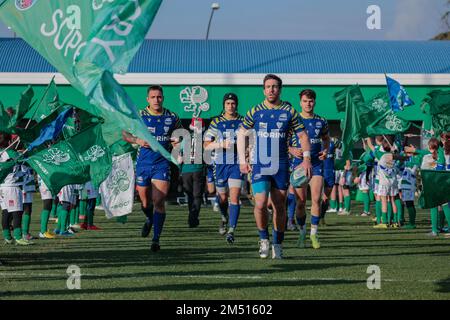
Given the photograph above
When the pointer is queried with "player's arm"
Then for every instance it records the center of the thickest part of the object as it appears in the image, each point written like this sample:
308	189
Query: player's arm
299	129
370	144
241	140
128	137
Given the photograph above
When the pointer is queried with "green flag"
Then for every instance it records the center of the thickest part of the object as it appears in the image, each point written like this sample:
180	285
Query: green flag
59	166
437	106
359	116
48	103
342	97
4	119
88	41
433	196
93	152
21	108
388	124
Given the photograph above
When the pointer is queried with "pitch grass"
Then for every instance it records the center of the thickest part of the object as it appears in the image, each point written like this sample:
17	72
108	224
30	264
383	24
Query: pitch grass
116	263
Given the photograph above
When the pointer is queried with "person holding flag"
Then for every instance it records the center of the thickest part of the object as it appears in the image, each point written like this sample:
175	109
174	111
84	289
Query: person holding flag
152	168
221	136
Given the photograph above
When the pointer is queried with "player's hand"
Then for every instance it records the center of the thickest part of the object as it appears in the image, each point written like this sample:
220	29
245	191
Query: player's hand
308	167
357	180
296	152
226	144
180	159
142	143
323	155
245	168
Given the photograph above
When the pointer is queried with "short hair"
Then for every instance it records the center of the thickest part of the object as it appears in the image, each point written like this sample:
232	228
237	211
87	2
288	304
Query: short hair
311	94
156	88
273	77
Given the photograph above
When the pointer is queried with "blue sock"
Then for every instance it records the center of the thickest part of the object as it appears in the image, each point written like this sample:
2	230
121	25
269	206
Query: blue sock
291	203
158	221
301	221
234	215
315	220
278	236
148	213
263	234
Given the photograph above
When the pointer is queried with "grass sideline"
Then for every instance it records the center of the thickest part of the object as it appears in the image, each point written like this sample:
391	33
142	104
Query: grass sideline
116	263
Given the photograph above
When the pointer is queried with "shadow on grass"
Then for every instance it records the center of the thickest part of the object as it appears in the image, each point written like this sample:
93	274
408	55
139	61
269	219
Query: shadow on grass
444	286
165	288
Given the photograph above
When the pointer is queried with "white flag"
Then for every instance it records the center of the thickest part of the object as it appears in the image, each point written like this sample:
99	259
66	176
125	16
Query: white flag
118	189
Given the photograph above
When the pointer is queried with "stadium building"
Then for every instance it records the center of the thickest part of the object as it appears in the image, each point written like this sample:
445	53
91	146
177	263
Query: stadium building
197	73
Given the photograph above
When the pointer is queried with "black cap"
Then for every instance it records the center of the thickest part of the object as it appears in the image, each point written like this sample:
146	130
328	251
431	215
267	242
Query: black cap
230	96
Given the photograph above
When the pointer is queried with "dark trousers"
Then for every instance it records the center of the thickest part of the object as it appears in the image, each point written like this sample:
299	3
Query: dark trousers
194	186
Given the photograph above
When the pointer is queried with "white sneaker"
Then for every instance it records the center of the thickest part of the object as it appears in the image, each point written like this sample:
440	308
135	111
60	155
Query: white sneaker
332	210
216	207
264	247
291	226
277	251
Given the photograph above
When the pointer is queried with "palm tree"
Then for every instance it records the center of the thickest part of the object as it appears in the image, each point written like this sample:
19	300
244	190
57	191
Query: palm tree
446	20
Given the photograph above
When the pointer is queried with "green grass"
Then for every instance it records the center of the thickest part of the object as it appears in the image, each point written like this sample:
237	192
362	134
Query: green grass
116	263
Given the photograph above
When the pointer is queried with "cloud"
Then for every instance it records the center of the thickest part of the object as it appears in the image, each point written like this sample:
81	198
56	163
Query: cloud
415	19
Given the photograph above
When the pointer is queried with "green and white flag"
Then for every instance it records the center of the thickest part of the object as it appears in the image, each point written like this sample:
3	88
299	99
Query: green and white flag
437	106
59	166
82	158
118	189
88	41
48	103
388	124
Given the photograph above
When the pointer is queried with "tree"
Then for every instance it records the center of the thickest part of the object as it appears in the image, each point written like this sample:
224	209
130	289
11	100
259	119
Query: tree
446	20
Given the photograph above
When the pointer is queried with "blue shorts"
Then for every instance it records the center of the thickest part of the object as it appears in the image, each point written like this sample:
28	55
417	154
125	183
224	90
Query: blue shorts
223	172
210	173
278	180
329	178
145	175
317	167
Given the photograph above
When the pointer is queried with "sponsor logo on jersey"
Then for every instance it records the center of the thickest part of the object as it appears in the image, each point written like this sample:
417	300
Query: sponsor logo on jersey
319	125
152	129
283	117
263	125
168	121
273	134
314	141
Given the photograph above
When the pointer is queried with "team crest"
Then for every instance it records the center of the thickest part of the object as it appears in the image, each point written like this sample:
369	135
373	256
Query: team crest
194	100
279	125
119	183
168	121
317	131
379	105
56	157
166	129
24	4
283	117
94	153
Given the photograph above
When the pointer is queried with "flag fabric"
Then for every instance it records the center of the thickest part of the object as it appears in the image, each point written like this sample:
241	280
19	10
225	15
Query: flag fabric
359	115
52	130
431	197
82	158
59	166
48	103
437	106
388	123
398	96
88	41
342	97
118	189
93	152
5	169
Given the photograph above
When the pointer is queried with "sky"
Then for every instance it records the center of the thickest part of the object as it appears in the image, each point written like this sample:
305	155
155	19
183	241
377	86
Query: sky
295	20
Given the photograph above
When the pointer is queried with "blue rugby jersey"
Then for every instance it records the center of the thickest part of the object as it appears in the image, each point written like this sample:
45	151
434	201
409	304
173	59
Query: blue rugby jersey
221	129
316	127
161	127
272	126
